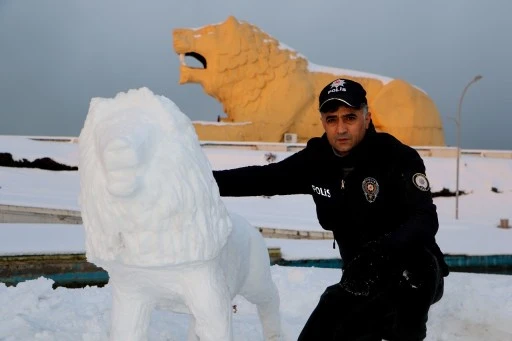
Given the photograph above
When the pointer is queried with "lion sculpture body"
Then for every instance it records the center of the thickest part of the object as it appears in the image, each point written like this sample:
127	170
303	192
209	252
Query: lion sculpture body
155	221
268	90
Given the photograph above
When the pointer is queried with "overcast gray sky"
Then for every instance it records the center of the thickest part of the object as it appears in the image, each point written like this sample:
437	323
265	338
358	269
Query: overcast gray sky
56	55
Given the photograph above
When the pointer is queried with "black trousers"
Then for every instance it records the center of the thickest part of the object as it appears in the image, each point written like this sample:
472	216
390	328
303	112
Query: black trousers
398	311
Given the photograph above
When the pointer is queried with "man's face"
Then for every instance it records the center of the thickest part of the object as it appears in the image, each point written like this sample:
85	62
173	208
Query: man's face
345	127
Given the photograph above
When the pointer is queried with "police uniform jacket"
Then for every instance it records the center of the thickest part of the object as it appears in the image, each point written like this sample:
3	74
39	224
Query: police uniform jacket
378	191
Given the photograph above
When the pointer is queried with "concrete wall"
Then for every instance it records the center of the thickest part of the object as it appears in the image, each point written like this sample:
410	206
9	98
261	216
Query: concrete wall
37	215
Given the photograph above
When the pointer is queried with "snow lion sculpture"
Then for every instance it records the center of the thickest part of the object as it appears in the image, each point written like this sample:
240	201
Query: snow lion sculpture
155	221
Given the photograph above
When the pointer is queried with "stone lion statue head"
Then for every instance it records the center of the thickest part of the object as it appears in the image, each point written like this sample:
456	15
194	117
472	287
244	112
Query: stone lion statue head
238	59
147	193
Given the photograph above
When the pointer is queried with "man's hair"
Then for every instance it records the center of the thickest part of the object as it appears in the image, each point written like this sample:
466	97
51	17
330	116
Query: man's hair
363	107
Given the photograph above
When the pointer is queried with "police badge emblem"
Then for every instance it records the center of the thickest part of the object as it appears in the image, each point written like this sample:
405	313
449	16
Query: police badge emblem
421	182
370	189
337	83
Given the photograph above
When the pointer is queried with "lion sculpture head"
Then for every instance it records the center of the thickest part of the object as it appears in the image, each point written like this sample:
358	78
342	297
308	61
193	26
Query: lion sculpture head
147	193
239	61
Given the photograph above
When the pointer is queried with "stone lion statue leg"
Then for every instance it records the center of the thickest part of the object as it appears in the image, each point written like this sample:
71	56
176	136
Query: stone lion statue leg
259	288
192	336
130	318
212	320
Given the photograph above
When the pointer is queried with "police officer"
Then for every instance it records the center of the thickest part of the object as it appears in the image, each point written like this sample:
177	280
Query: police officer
371	191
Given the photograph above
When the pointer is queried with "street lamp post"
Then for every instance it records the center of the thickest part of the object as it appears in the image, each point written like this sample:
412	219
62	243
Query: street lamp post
457	122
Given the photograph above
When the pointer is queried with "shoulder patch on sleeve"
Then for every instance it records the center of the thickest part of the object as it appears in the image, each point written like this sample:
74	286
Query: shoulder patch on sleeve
421	182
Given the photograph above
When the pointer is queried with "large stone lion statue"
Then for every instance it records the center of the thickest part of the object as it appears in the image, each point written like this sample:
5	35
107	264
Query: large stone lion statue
155	221
268	89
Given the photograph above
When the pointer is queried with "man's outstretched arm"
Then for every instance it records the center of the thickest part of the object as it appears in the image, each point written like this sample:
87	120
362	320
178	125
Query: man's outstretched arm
288	176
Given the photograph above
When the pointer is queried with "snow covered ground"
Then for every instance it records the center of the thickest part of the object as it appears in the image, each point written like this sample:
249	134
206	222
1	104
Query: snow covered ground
475	307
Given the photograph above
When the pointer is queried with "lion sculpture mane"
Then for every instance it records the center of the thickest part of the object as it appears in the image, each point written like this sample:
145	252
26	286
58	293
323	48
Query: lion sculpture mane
155	221
268	89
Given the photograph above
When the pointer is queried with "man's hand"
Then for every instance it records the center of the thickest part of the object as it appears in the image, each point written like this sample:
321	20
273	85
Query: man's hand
368	271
